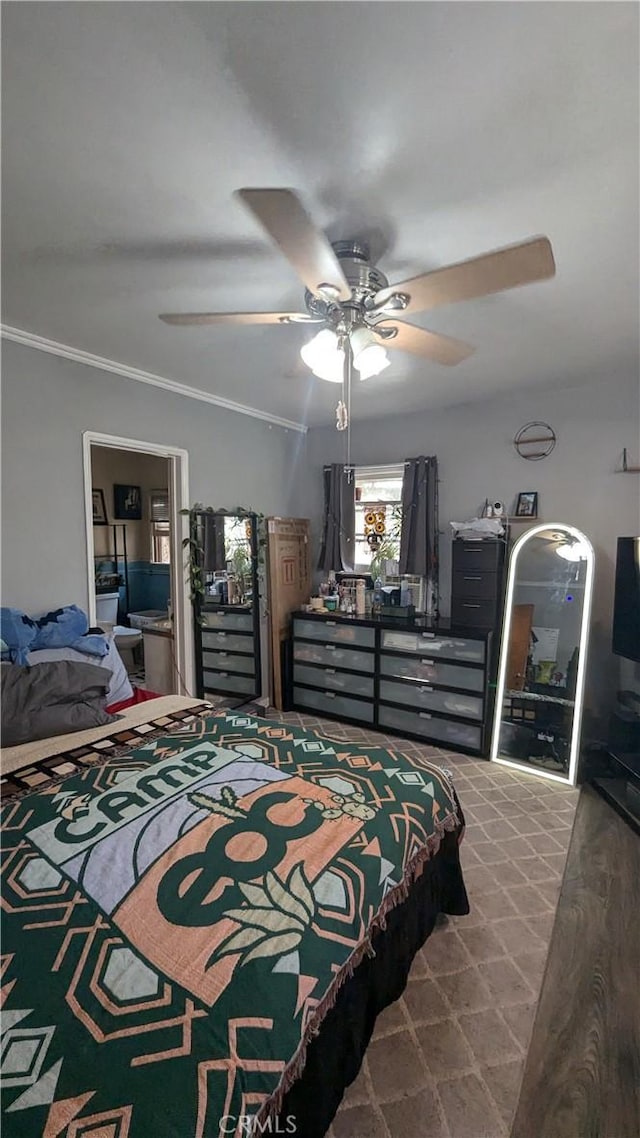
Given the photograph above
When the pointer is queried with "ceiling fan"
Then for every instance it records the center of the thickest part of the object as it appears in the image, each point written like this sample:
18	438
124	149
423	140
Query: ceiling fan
353	301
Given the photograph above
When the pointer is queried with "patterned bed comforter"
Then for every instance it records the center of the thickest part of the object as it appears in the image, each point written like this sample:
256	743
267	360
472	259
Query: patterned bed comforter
178	920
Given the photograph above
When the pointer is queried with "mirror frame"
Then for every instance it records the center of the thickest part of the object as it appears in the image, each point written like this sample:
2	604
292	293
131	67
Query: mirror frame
570	779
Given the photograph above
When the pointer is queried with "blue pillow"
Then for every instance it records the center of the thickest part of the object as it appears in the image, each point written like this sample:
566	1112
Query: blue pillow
18	632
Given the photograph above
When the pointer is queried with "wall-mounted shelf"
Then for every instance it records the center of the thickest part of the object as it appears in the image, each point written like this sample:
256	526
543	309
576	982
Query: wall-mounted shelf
625	469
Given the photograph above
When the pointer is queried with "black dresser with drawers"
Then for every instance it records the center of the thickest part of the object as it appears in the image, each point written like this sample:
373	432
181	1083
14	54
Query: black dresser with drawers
411	679
227	651
477	582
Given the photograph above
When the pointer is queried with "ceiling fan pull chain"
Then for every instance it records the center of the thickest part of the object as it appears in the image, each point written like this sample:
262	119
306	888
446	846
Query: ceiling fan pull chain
341	417
348	368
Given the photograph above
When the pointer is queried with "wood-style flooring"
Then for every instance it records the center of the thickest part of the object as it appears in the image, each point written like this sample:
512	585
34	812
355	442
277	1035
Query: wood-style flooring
582	1073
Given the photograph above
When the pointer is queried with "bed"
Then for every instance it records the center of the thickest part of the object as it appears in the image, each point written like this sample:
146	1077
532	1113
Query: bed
203	918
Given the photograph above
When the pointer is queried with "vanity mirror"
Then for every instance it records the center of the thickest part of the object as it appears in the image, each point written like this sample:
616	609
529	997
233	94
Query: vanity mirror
543	655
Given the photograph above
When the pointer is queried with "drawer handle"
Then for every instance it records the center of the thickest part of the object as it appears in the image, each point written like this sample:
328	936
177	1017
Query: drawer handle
429	635
330	694
329	671
223	675
223	655
425	688
424	715
221	634
468	606
472	578
430	662
330	623
330	647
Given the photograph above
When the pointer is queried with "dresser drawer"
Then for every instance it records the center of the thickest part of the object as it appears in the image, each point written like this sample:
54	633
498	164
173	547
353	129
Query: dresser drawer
227	641
474	612
227	681
231	621
336	681
432	671
433	644
426	698
333	704
470	555
334	656
474	583
440	730
333	632
227	662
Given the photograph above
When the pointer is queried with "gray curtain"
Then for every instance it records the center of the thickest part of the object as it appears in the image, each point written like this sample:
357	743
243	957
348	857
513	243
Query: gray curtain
338	534
213	559
419	534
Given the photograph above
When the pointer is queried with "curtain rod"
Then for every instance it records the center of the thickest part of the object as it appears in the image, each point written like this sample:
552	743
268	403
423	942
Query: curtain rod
370	466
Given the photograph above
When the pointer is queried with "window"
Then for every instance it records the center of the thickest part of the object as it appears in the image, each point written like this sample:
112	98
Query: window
160	532
379	512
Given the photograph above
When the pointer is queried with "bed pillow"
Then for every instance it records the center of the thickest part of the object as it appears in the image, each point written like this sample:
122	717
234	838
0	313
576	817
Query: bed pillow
119	686
52	698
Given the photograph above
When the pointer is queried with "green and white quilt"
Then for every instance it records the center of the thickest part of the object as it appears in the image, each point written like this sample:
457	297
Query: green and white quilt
178	920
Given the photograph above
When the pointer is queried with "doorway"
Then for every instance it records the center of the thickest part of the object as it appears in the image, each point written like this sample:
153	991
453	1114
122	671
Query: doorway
134	495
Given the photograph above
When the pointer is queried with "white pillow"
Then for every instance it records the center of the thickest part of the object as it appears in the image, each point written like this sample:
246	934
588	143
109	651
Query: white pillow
119	685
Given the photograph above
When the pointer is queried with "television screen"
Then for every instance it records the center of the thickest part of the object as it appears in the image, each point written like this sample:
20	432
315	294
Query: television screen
626	606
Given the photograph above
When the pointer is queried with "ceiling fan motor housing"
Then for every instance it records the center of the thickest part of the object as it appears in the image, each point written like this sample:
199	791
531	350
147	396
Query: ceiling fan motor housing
363	278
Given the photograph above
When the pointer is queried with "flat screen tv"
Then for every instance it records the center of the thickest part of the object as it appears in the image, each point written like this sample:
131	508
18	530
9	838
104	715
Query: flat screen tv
626	605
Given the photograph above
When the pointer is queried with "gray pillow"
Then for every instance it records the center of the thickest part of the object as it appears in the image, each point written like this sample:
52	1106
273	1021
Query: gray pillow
119	684
52	699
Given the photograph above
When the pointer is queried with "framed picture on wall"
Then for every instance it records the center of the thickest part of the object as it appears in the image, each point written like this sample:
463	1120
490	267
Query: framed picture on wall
99	508
127	503
527	504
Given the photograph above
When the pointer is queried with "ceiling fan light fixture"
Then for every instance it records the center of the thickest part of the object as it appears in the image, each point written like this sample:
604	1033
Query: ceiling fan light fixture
323	355
372	361
369	356
573	551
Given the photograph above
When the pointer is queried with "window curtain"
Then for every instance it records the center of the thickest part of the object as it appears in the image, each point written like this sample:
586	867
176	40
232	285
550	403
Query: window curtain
213	543
419	534
338	534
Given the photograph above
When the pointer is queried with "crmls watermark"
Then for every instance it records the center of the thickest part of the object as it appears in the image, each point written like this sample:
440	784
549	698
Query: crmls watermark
243	1124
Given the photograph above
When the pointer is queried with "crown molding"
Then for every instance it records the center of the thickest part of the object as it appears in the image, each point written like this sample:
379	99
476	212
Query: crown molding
41	344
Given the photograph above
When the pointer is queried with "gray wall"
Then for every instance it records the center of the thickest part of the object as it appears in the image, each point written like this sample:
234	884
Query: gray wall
476	458
47	402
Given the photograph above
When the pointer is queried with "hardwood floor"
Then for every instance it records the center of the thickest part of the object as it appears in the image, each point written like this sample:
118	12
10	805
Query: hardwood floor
582	1074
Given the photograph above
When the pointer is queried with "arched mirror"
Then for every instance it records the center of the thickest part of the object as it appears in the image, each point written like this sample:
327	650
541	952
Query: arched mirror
543	654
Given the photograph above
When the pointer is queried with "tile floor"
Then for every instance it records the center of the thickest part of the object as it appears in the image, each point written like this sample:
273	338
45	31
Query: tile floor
446	1059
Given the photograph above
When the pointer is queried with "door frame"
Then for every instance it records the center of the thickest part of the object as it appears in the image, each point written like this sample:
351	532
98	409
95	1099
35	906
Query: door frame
178	501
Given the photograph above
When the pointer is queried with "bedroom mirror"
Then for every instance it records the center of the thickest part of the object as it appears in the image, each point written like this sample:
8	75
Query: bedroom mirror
543	655
228	557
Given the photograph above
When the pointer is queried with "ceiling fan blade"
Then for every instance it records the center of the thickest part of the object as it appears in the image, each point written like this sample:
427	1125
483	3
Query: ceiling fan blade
493	272
432	345
282	215
237	318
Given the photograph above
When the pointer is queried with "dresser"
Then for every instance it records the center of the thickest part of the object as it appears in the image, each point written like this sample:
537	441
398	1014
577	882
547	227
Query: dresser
404	678
227	651
477	576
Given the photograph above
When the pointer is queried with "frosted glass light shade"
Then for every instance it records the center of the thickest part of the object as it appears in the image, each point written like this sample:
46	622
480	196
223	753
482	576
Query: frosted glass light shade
369	356
324	357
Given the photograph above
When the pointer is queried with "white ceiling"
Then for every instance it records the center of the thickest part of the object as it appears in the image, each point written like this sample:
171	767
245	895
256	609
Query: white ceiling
441	130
